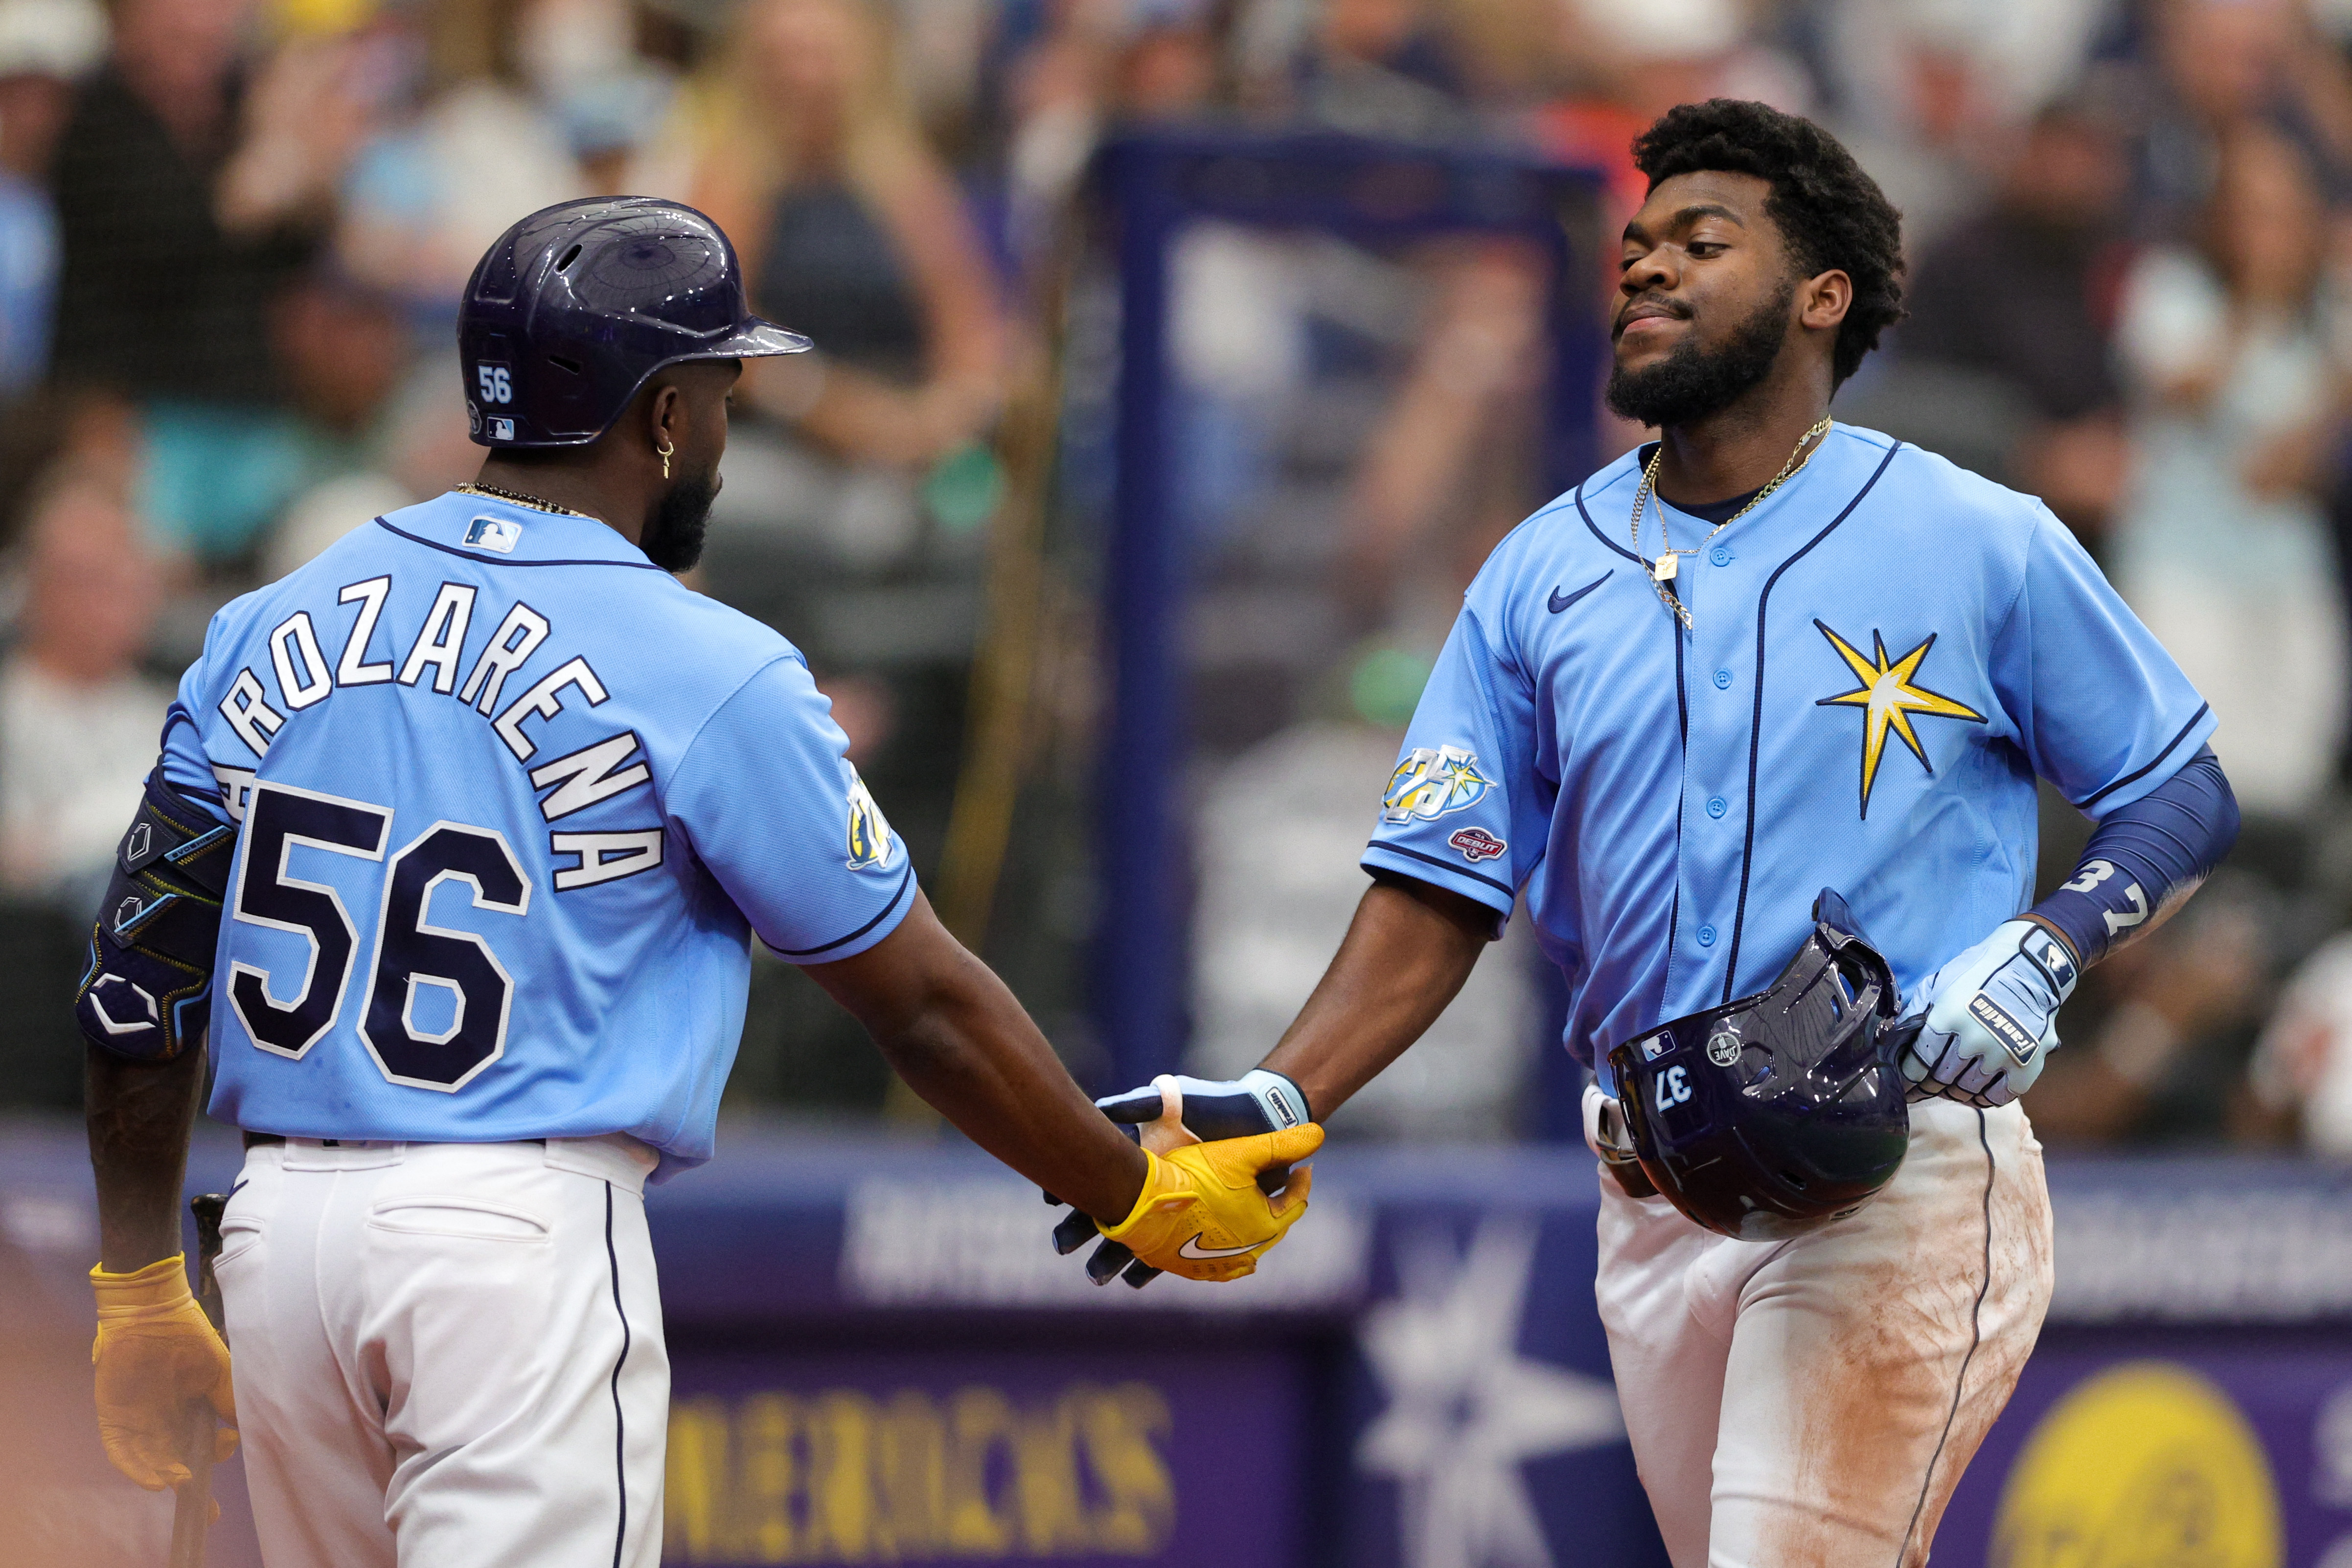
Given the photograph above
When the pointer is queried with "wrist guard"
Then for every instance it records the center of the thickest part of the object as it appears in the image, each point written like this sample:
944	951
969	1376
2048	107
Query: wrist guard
144	990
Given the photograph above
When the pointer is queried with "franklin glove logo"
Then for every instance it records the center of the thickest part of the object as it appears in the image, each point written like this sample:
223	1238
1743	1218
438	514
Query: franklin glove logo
2004	1029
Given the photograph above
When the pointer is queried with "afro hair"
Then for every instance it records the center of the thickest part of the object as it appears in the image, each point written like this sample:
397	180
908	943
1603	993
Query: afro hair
1832	216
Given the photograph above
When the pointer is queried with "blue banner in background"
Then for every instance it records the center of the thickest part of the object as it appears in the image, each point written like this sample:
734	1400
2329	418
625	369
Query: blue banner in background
878	1358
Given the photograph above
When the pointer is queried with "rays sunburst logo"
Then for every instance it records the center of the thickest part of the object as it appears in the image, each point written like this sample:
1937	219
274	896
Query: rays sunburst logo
1890	695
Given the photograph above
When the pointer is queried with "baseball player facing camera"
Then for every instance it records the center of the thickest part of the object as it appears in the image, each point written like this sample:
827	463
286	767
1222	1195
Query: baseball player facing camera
1763	656
447	874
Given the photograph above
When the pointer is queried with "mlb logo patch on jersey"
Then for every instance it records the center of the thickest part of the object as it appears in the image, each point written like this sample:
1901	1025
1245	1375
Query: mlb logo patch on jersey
500	534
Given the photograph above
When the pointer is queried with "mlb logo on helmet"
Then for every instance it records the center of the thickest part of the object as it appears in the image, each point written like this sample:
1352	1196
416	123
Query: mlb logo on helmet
500	534
502	430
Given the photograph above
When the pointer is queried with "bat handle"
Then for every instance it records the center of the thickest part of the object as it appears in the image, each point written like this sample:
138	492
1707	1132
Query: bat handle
191	1506
192	1503
207	1207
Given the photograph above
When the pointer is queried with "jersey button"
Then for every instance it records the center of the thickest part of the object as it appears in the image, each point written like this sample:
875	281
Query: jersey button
1706	936
1718	806
1720	555
1722	680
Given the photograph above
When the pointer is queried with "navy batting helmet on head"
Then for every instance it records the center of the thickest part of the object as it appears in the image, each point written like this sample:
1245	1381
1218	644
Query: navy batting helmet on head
575	306
1780	1113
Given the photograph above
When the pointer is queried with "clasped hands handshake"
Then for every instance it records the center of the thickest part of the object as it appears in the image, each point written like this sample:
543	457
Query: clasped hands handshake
1224	1183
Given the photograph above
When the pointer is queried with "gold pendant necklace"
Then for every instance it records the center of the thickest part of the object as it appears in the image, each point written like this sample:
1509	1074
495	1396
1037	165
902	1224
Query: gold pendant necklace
1663	570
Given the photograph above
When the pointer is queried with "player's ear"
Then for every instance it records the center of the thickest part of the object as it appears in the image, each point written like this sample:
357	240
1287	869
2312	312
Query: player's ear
1824	299
664	419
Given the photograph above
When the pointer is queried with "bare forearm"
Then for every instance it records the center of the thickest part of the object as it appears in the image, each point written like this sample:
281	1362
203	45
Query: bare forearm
139	1116
949	1028
1406	956
975	1073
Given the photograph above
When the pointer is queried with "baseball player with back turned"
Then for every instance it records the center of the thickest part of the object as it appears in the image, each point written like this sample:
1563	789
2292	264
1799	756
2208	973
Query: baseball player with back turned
1764	657
458	842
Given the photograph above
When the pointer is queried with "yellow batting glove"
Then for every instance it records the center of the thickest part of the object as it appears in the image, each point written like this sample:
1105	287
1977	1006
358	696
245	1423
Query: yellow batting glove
1201	1213
156	1355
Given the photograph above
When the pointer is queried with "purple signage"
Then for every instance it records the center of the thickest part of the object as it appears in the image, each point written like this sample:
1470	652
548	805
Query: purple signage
2174	1451
970	1456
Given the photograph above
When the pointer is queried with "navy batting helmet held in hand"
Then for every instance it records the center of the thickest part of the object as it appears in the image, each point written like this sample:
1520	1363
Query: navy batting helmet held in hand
1781	1112
576	305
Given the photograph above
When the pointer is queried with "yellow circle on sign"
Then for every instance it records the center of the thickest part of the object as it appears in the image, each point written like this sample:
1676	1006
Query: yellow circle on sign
2146	1464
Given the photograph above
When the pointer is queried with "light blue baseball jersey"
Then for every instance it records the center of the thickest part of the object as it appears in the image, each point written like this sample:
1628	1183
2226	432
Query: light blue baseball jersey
510	802
1882	655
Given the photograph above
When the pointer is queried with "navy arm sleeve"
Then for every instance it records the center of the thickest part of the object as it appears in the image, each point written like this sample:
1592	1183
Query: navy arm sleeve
2161	844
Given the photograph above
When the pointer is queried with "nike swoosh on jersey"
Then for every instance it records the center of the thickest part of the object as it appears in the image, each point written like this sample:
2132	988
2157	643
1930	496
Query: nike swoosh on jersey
1560	601
1193	1249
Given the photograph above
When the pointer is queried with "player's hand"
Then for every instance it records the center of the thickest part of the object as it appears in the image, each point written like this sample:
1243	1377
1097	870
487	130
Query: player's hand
1173	1112
156	1356
1201	1213
1980	1027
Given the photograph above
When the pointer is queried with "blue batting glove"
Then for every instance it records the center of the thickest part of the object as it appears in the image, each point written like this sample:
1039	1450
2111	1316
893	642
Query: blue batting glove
1186	1110
1980	1027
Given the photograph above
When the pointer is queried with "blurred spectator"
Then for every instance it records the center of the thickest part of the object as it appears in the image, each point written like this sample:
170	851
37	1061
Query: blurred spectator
2221	543
2024	294
187	194
415	447
2223	64
2302	1071
2167	1056
341	348
45	47
581	58
1380	67
159	294
1278	833
78	721
427	196
849	224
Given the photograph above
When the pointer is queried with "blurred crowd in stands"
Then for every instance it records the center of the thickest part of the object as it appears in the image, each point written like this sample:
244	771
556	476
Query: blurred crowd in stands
233	234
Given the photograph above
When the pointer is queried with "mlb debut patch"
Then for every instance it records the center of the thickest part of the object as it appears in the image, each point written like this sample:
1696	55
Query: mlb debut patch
1477	844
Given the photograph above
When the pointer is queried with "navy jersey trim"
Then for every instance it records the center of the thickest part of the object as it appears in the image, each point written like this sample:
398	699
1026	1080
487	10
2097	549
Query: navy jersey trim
496	561
896	894
1596	534
1502	887
1756	725
2169	747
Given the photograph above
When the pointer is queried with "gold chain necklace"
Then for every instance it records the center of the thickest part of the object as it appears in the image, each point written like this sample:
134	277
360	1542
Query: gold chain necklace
1663	569
474	488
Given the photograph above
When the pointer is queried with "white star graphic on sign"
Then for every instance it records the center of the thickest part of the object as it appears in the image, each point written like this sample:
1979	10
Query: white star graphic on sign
1465	1407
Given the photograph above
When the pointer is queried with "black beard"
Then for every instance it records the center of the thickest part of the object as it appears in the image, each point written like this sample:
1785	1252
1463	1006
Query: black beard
673	540
1692	382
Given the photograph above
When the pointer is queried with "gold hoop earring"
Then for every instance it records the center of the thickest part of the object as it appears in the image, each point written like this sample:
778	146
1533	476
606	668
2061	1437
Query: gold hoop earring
665	451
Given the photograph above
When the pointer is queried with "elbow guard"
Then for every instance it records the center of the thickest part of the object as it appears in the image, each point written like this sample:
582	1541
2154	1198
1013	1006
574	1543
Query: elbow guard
148	979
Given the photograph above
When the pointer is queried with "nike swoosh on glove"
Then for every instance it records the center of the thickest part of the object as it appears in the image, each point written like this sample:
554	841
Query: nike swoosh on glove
1172	1112
1982	1026
1201	1213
